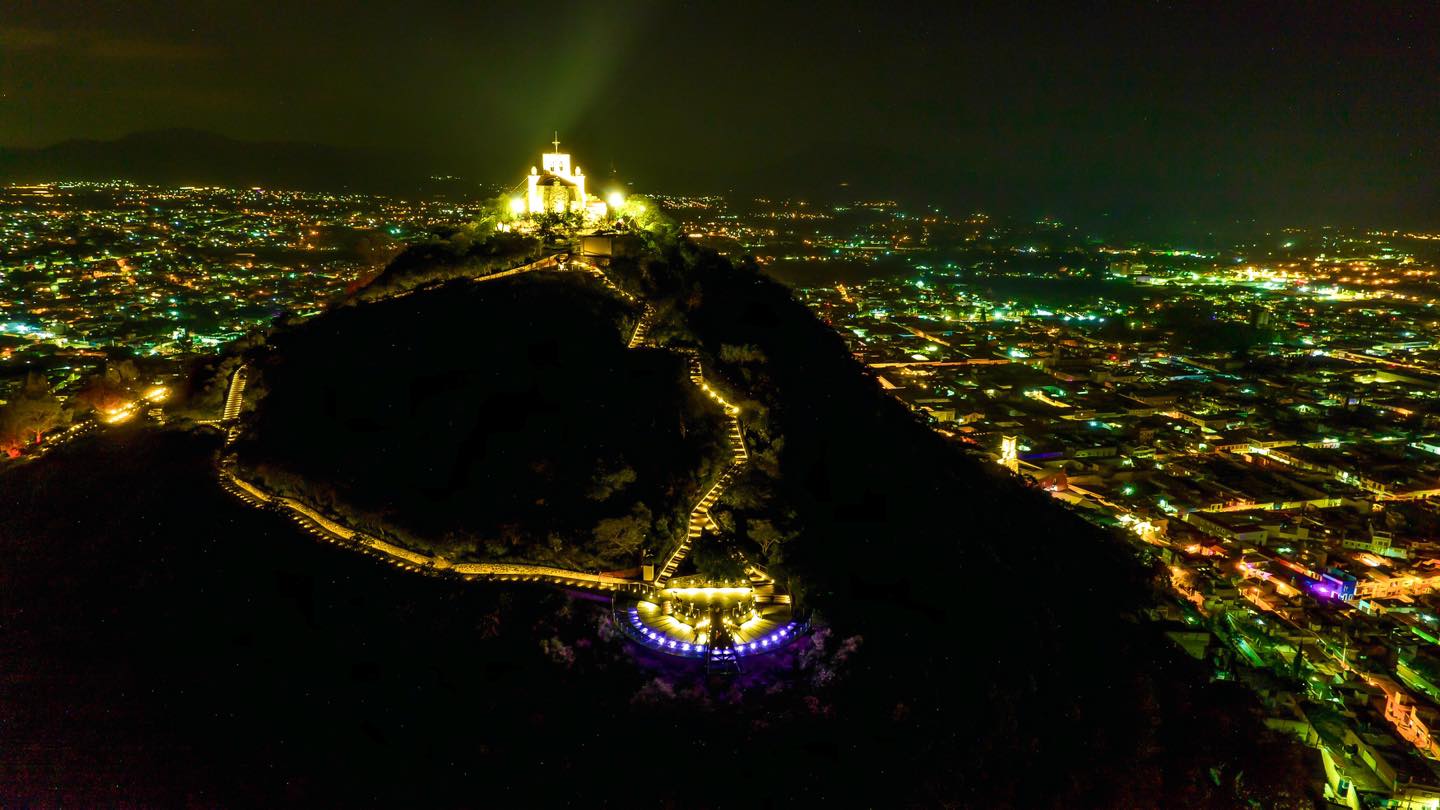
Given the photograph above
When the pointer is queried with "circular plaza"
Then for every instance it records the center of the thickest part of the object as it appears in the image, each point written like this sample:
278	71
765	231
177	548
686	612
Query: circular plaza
707	622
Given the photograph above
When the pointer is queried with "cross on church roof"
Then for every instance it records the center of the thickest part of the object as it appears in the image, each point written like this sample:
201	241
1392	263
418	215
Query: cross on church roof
557	142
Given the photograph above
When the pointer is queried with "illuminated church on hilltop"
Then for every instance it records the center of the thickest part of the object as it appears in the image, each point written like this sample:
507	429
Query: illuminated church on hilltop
559	189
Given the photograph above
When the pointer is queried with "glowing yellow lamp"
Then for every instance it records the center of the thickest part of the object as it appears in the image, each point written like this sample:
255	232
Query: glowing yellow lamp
517	205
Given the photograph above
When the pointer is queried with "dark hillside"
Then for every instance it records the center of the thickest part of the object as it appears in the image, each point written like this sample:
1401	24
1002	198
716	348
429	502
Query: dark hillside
482	421
174	647
460	255
169	646
997	625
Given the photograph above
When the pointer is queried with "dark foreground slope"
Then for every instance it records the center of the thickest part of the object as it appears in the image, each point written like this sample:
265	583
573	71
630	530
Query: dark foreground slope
166	646
999	629
483	421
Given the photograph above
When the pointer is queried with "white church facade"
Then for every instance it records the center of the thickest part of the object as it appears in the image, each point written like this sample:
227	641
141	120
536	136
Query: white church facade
558	188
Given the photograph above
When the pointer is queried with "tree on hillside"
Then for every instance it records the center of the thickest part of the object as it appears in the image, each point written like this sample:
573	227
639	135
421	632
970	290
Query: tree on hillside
768	536
464	253
111	388
619	536
556	223
25	419
609	482
493	212
715	565
647	217
202	396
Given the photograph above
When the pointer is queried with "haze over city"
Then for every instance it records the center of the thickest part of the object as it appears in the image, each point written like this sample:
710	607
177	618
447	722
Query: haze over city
1193	116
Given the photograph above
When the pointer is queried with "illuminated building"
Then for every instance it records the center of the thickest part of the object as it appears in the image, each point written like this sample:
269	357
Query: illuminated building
559	188
1010	453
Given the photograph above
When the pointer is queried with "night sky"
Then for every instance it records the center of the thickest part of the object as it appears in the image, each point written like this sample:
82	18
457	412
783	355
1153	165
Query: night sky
1299	113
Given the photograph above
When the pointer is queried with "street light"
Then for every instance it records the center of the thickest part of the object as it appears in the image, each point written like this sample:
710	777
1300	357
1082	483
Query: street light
616	200
517	206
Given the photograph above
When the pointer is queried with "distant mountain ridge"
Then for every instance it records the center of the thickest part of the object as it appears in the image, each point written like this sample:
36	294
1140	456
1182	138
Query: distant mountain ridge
178	157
